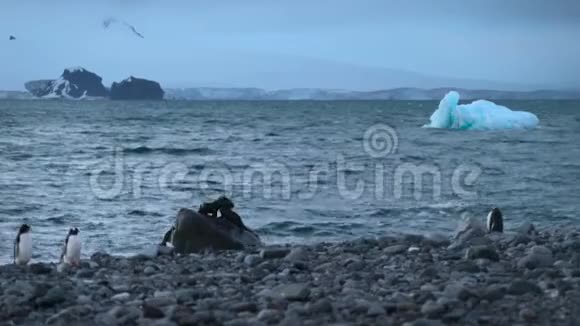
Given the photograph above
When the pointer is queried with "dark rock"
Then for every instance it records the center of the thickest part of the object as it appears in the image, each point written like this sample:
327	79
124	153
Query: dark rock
85	273
485	252
493	292
467	266
274	253
40	268
520	287
152	312
53	297
528	314
319	307
134	88
527	229
244	306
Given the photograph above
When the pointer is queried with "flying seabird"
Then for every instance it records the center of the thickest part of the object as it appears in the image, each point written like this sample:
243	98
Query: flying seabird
107	22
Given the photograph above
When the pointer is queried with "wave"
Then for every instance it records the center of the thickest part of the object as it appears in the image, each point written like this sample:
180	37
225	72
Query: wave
167	150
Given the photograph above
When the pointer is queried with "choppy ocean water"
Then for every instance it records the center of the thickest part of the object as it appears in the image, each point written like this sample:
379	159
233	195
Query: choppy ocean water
297	171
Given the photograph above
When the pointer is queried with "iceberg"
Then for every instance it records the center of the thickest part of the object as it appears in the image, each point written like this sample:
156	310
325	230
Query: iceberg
478	115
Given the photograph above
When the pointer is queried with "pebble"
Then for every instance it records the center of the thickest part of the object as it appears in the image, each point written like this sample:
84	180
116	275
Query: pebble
358	282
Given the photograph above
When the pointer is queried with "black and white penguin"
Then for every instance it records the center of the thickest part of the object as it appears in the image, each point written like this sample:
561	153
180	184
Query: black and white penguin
495	220
23	245
71	251
168	237
11	38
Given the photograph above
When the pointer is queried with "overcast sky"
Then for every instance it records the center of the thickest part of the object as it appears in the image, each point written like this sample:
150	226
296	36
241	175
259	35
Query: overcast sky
362	44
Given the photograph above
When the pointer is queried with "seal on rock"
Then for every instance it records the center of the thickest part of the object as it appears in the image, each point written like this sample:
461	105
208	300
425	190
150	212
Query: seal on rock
71	251
195	231
211	209
23	245
495	220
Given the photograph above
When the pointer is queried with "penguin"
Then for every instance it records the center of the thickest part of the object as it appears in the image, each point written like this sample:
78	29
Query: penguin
23	245
495	220
11	38
71	251
168	237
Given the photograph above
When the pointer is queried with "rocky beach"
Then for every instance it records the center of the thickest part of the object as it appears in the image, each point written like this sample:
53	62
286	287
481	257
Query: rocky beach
525	277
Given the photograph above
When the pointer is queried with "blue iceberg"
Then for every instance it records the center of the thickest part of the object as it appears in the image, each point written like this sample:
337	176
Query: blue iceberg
479	115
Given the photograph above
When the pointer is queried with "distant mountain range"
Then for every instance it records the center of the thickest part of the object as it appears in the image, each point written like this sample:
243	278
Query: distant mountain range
258	94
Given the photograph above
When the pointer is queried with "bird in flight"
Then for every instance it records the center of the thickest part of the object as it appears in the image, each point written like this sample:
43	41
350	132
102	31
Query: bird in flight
107	22
12	38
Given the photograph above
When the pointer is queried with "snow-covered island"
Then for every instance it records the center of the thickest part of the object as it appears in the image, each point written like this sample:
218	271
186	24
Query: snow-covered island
79	83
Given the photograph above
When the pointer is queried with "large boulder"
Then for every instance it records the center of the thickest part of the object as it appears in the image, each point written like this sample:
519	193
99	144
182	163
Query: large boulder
74	83
136	89
194	232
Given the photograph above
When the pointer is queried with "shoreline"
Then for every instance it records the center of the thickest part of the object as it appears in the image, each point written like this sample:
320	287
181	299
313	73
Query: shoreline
474	278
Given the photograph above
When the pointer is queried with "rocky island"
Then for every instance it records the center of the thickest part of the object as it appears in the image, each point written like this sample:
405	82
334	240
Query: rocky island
79	83
134	88
526	277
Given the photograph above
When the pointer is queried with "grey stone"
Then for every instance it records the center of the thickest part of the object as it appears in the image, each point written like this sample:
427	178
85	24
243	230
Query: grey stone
485	252
432	309
274	253
161	301
252	260
395	249
294	292
269	315
527	229
121	297
69	315
296	254
539	256
423	322
124	314
149	270
375	309
457	291
527	314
